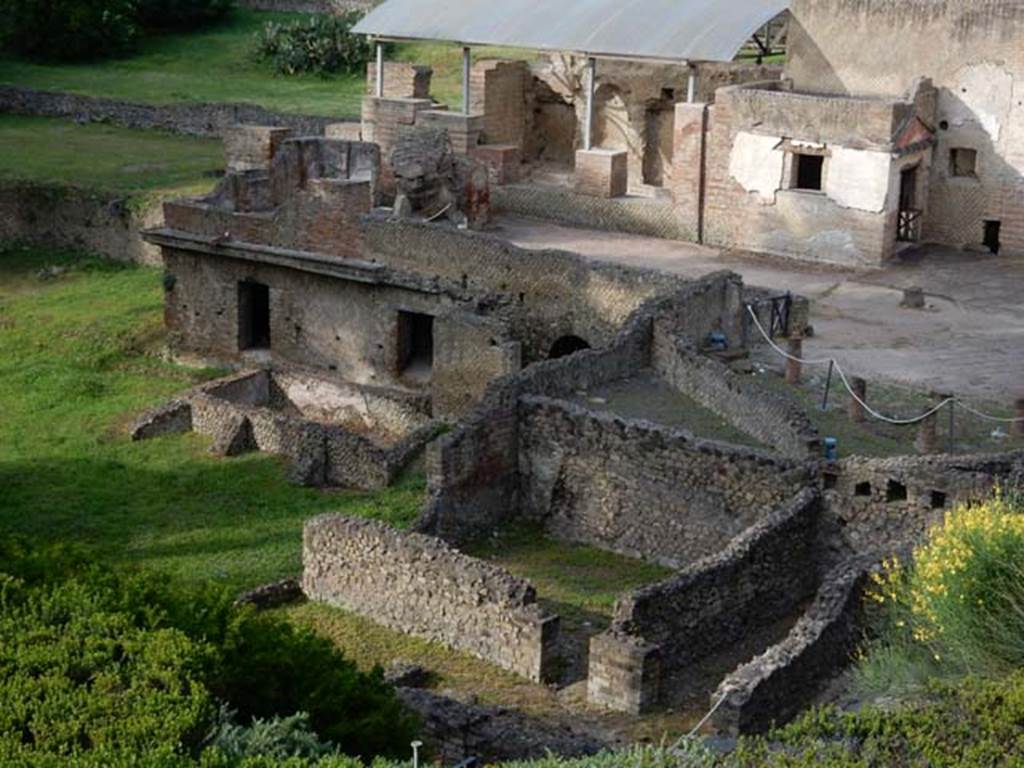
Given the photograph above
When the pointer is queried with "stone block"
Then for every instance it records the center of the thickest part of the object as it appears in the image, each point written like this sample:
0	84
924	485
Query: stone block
624	673
463	130
401	80
504	162
252	147
601	172
344	131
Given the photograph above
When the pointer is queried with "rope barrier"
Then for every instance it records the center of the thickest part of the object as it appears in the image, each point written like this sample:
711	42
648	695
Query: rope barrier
703	720
950	401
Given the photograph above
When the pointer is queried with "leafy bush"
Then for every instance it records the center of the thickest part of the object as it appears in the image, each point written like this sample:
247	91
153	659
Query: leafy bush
322	44
69	29
105	666
959	608
182	14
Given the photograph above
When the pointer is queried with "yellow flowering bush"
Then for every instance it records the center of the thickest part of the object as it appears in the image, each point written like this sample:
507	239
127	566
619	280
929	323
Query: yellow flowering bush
962	599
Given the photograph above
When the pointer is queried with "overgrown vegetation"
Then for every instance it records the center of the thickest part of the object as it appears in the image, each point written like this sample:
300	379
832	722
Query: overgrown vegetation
126	666
323	45
958	608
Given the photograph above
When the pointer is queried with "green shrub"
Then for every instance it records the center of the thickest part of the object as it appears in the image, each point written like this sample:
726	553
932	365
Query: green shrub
322	44
77	678
958	609
69	29
182	14
90	664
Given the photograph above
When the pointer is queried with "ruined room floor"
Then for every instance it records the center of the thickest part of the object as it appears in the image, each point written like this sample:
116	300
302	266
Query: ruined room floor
578	582
648	397
969	340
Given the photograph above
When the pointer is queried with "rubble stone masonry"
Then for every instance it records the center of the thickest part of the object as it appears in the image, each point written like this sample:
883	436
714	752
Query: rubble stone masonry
419	585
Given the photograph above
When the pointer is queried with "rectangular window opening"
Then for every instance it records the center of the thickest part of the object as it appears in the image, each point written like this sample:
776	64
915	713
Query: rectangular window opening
938	500
415	345
963	162
808	172
991	236
862	489
253	316
895	491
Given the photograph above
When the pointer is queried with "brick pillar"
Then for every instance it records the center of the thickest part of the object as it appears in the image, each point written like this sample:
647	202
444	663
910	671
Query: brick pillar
856	412
688	163
927	440
794	368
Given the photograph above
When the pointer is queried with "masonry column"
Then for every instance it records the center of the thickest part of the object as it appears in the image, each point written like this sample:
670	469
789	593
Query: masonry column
1018	426
856	410
689	155
794	368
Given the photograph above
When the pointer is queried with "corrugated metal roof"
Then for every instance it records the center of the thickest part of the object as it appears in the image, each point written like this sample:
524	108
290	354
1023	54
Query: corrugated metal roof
693	30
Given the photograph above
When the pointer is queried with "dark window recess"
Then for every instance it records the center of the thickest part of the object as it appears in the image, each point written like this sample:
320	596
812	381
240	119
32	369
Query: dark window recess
862	489
253	316
566	346
808	171
963	162
415	343
938	500
831	481
992	231
895	491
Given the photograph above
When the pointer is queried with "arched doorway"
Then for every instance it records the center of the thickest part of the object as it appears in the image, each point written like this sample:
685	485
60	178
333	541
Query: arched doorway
567	345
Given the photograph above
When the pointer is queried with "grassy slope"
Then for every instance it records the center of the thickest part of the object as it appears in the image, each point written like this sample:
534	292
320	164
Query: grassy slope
210	65
215	65
78	357
104	157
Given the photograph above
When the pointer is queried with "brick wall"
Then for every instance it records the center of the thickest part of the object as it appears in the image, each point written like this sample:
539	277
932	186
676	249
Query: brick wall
498	91
418	585
765	572
401	80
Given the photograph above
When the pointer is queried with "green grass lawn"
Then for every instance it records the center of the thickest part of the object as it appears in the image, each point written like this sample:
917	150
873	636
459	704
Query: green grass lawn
215	65
105	157
209	65
79	356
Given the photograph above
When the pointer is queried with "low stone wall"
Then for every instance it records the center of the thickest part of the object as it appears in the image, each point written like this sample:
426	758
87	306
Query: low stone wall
771	418
638	215
265	411
454	731
419	585
879	506
779	683
192	118
641	489
762	575
66	217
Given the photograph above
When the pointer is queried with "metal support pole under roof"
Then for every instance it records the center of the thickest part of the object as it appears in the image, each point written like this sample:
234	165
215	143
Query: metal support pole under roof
691	85
588	119
379	90
466	66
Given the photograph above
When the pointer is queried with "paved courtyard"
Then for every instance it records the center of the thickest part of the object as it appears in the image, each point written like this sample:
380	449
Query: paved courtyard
969	340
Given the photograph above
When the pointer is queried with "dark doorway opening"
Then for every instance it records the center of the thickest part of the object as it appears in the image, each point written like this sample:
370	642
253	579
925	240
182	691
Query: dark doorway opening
809	172
992	232
909	220
567	345
415	344
253	316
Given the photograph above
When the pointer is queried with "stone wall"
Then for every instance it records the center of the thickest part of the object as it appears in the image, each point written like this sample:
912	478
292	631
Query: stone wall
545	294
401	80
763	574
879	506
419	585
641	489
774	420
67	217
193	118
775	686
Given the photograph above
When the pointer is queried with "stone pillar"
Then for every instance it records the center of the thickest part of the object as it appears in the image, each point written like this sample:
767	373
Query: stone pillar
794	368
688	157
927	440
856	412
1018	427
